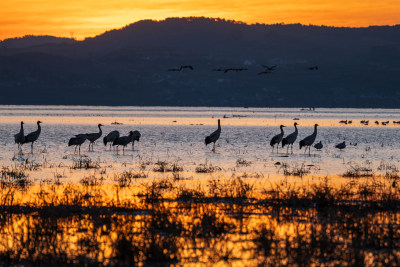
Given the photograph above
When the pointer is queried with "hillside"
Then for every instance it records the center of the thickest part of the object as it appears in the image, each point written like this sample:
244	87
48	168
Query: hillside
357	67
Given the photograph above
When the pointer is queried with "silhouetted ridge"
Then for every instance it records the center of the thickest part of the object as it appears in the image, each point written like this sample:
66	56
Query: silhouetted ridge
357	67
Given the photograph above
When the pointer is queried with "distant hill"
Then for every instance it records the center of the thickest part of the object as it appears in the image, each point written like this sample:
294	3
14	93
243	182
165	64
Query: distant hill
357	67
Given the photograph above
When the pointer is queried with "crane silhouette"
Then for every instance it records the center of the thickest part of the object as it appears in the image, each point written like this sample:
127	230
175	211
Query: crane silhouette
92	137
77	141
19	138
212	138
309	140
290	139
277	139
123	141
135	137
33	136
110	138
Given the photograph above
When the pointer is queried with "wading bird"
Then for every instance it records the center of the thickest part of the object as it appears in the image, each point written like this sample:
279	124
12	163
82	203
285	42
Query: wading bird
318	145
19	138
123	141
212	138
291	138
135	137
277	139
77	141
341	145
110	138
309	140
92	137
33	136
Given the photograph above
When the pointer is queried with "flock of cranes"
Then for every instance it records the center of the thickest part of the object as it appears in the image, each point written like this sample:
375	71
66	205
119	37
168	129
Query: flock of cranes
291	138
114	139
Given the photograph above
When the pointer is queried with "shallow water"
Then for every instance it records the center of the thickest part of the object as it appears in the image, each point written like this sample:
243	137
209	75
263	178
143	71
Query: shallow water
176	135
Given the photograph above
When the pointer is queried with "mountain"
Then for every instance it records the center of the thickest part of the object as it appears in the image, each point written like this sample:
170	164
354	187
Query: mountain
357	67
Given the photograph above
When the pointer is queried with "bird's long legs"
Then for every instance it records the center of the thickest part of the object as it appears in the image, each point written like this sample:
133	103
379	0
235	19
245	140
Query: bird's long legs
213	150
32	148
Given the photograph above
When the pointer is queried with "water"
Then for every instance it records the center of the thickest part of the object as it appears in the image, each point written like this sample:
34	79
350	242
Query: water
151	222
176	134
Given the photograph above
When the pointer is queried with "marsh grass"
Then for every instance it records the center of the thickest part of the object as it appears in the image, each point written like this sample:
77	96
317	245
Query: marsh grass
14	177
296	170
164	166
84	163
220	221
207	168
243	162
125	178
358	172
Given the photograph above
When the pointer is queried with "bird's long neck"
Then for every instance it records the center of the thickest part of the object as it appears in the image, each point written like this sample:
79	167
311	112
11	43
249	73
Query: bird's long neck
295	129
315	131
22	129
100	131
219	126
39	127
282	133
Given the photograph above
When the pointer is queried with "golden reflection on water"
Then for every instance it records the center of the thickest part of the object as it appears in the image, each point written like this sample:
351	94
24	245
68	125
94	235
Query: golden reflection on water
127	211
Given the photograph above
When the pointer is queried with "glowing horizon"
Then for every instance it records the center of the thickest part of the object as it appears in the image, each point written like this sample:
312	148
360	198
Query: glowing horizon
88	18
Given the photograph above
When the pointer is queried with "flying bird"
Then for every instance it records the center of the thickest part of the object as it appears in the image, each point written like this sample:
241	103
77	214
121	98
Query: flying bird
291	138
33	136
212	138
109	138
186	67
264	72
313	68
19	138
270	68
309	140
277	139
77	141
92	137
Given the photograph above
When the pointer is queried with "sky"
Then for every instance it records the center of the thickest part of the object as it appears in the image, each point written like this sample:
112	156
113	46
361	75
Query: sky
84	18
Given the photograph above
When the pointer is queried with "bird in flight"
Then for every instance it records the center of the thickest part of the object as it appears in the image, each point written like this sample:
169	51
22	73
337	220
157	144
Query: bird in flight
270	68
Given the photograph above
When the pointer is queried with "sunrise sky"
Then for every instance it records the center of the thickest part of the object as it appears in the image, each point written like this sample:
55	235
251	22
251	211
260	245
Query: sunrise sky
86	18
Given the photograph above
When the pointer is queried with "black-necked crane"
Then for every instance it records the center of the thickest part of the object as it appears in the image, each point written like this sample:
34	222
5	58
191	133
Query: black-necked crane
92	137
77	141
19	138
309	140
212	138
110	138
291	138
318	145
341	145
33	136
135	137
123	141
277	139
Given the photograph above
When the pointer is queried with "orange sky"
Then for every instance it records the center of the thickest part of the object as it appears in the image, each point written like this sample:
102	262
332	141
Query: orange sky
92	17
